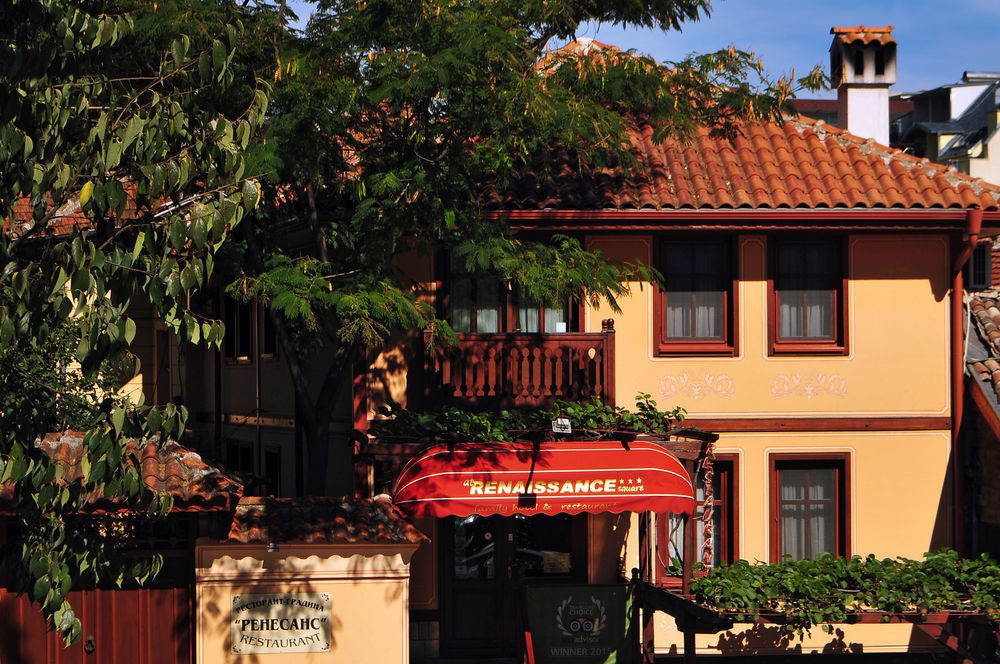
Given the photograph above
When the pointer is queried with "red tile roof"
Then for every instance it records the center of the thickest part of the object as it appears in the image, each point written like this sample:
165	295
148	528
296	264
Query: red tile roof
995	265
66	218
985	314
864	34
799	163
171	468
585	46
321	520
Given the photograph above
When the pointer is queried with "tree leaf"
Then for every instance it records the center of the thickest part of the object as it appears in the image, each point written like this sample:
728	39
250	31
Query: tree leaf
218	58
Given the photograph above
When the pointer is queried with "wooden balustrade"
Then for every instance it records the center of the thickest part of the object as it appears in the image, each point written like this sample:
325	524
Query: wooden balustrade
510	370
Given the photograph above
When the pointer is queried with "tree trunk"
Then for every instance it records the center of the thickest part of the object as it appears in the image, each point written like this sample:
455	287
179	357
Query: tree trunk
314	407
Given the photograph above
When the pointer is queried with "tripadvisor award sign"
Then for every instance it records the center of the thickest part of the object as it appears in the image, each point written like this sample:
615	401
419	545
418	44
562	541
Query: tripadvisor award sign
290	622
579	624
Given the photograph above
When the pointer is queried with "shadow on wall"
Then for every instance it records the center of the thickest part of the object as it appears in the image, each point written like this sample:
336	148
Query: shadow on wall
769	639
388	377
942	535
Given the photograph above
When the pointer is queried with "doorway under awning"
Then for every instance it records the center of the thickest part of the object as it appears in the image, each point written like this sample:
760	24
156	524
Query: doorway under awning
543	478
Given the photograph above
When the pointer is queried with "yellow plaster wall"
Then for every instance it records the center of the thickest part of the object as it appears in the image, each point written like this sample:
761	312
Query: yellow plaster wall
898	340
900	505
369	588
900	497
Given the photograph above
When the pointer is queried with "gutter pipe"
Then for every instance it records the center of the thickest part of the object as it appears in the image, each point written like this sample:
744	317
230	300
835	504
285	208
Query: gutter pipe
973	226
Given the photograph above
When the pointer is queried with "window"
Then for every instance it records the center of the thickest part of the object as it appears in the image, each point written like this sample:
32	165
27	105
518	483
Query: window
269	341
272	469
238	341
479	303
809	506
722	540
534	318
695	308
474	304
241	319
239	455
979	268
807	297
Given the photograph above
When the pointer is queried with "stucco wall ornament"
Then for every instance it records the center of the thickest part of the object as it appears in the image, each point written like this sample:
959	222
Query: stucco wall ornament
817	384
697	387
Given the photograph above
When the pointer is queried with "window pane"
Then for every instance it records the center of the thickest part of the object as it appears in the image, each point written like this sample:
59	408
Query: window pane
244	331
556	320
474	548
474	302
679	316
696	277
487	305
461	305
527	319
533	318
543	544
722	510
807	504
793	532
708	315
806	284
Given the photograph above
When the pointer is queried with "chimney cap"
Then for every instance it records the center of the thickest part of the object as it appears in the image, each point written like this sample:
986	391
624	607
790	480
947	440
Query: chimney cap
864	34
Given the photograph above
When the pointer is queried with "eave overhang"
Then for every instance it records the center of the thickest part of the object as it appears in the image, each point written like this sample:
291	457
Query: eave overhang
914	219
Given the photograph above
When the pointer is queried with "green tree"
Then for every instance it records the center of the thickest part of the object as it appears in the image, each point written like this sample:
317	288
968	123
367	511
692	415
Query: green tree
393	122
123	167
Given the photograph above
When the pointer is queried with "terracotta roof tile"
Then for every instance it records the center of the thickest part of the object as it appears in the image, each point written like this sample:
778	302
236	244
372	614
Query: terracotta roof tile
996	263
320	520
985	314
193	484
800	163
864	34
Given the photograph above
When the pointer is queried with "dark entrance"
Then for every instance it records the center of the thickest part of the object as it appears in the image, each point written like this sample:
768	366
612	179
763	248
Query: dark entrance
487	561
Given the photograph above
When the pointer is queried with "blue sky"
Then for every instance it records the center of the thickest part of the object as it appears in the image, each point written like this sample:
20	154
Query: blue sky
937	40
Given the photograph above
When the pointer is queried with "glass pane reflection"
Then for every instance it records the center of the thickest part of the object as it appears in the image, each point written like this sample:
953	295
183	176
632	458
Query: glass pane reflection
475	554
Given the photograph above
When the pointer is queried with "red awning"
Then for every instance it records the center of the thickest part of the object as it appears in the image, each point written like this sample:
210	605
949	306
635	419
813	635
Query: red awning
553	478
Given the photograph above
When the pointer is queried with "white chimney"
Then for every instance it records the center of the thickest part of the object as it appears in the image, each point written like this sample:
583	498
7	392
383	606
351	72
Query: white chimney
863	67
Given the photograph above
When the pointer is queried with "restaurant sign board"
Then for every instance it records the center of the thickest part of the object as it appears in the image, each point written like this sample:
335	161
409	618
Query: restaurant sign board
281	623
579	624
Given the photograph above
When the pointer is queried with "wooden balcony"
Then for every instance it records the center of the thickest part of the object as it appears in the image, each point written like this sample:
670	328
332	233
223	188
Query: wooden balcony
511	370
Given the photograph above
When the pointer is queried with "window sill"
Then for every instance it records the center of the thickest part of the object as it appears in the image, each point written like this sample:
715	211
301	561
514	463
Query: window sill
688	348
807	348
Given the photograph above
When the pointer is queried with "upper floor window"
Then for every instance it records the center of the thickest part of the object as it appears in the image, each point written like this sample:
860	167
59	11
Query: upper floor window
474	304
979	269
809	505
807	296
238	341
248	325
479	303
695	308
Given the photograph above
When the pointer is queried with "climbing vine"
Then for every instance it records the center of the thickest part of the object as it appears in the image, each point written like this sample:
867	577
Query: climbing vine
467	425
802	594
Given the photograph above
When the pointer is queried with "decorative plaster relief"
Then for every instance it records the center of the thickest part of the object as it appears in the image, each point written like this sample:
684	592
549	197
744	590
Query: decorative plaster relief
720	386
815	385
